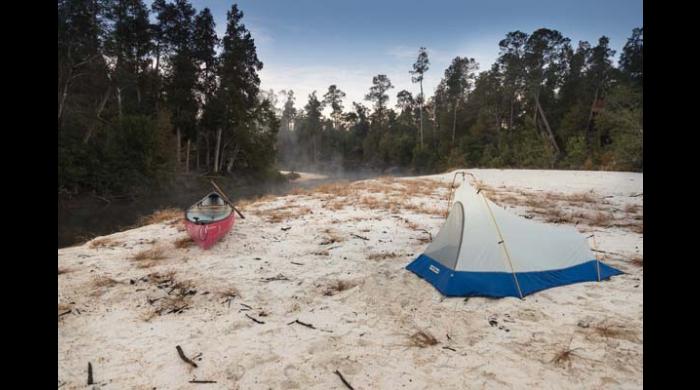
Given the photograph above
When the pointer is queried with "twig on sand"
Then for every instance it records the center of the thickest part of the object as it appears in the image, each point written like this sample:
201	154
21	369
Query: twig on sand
273	278
427	232
198	381
185	358
302	323
360	237
636	195
254	319
90	380
343	379
450	348
64	313
295	263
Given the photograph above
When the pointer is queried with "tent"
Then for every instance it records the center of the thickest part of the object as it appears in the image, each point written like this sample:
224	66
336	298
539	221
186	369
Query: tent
484	250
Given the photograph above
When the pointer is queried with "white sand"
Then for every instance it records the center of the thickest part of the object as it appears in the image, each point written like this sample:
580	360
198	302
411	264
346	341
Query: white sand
362	331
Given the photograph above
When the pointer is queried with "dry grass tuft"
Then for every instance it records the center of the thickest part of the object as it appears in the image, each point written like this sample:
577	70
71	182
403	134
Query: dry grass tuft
229	293
100	284
383	256
339	203
283	213
411	225
104	281
614	331
178	298
149	257
375	203
160	216
298	191
331	237
104	242
155	253
423	339
601	218
341	188
414	187
338	286
184	242
631	208
637	261
563	356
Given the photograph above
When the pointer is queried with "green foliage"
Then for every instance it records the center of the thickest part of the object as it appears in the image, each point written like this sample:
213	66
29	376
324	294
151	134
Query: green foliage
576	152
120	111
622	122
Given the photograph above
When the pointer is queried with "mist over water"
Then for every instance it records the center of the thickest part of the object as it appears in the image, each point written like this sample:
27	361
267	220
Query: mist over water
87	216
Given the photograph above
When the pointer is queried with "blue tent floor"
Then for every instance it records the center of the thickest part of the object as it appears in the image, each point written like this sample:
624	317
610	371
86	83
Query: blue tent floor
453	283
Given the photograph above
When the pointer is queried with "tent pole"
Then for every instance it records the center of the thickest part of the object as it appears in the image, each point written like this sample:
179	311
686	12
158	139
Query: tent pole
451	192
597	261
505	248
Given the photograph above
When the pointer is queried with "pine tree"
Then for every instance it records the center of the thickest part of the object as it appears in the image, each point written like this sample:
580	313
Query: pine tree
421	66
334	99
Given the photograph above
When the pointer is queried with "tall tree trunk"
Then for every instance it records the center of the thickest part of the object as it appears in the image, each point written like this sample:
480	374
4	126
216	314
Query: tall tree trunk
510	122
98	114
119	103
177	153
546	125
216	150
454	123
589	142
187	158
62	103
208	160
420	109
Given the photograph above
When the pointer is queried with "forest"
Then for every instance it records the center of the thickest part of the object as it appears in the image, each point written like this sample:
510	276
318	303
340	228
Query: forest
149	93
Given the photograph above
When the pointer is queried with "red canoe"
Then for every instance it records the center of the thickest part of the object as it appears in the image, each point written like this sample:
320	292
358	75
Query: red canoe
209	219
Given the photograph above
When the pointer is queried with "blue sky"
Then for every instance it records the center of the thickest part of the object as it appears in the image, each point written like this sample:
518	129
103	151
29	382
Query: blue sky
307	45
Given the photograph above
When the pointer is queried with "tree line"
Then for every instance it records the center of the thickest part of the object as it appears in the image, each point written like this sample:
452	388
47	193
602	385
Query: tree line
146	93
141	100
543	104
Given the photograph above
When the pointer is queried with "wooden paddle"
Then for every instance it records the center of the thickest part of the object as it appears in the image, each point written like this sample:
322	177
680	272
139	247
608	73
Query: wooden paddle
227	199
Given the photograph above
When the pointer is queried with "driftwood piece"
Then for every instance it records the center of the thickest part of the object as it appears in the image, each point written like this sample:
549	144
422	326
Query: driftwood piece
273	278
198	381
360	237
343	379
255	320
185	358
295	263
90	380
302	323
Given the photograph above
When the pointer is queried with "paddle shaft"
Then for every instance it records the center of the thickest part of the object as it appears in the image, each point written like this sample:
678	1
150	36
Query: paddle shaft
226	198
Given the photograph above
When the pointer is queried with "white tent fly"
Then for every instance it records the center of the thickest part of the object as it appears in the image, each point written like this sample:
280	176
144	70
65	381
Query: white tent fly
484	250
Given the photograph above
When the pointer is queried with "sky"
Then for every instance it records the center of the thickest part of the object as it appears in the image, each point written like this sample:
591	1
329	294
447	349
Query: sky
307	45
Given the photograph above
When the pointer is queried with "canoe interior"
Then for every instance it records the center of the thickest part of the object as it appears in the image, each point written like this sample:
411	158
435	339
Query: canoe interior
211	208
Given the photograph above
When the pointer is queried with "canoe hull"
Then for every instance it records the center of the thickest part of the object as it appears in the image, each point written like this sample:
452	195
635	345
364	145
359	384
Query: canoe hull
206	235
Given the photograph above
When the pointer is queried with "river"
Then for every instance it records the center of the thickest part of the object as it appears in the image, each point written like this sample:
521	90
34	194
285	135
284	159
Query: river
86	216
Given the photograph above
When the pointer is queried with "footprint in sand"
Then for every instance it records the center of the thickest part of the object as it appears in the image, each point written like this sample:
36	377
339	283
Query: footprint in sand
294	377
235	372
